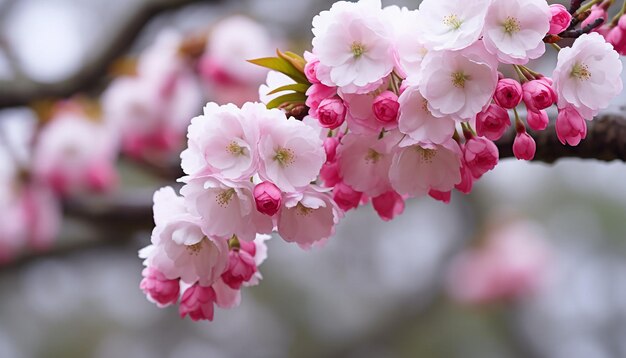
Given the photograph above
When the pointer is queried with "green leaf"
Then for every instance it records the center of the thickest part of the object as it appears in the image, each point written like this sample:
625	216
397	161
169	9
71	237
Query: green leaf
287	98
296	60
281	65
296	87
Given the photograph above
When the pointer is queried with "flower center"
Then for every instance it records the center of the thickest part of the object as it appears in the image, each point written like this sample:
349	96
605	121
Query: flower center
302	210
459	78
426	154
195	248
452	21
511	25
581	72
425	105
284	157
224	198
235	149
372	156
357	49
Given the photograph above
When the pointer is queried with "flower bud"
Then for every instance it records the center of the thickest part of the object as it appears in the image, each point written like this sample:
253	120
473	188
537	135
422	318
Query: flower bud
331	112
388	205
538	94
197	302
492	122
597	11
158	288
241	268
524	146
267	197
330	146
537	120
508	93
310	71
346	197
467	180
386	106
560	20
481	155
570	126
443	196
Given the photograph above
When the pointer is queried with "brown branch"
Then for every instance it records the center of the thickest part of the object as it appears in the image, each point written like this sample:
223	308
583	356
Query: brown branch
23	91
606	141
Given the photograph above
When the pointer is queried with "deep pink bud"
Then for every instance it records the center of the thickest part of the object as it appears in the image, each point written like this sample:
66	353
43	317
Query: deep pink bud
331	112
481	155
330	146
241	268
346	197
596	13
467	180
443	196
622	22
524	146
560	20
492	122
538	94
197	302
617	38
316	94
570	126
388	205
158	288
386	106
537	120
310	71
267	197
508	93
330	174
101	177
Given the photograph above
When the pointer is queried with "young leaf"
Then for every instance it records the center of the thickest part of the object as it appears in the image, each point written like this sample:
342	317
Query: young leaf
296	87
281	65
287	98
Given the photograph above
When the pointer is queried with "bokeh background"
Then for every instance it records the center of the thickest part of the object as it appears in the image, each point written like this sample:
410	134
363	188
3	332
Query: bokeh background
375	290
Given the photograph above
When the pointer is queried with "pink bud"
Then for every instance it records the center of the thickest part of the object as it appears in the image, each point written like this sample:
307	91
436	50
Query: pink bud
492	122
524	146
481	155
570	126
443	196
330	174
158	288
241	268
617	38
388	205
386	106
310	71
596	13
622	22
267	197
560	20
467	180
330	146
537	120
538	94
101	177
346	197
197	302
508	93
331	112
316	94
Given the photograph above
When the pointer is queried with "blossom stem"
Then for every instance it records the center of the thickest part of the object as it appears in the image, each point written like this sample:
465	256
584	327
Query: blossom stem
556	47
619	14
587	6
520	74
519	124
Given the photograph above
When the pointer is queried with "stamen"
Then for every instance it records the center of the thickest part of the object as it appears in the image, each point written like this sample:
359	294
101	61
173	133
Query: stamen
426	154
372	156
284	157
224	198
302	210
581	72
511	25
357	49
459	78
452	21
235	149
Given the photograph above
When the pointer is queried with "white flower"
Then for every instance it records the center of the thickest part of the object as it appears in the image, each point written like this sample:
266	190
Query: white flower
452	24
587	75
410	48
514	29
458	83
353	44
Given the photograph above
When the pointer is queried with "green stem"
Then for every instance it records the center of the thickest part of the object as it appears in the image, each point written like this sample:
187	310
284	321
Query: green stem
587	6
520	74
556	47
619	14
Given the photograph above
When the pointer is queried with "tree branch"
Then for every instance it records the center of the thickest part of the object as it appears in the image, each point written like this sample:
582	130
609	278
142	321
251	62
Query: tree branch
23	91
606	141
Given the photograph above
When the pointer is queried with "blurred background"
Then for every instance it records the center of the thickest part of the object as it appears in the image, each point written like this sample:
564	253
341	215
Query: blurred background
531	264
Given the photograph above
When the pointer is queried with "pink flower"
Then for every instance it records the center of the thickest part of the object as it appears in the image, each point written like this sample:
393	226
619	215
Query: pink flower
560	20
158	288
538	94
388	205
316	94
386	106
331	112
308	217
241	266
268	198
418	168
417	121
508	93
346	197
467	179
310	69
617	38
197	302
524	146
330	146
360	116
570	126
330	174
492	122
481	155
537	120
443	196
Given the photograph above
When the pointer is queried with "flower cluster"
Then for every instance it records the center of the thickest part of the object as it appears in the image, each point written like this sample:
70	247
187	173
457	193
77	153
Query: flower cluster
390	104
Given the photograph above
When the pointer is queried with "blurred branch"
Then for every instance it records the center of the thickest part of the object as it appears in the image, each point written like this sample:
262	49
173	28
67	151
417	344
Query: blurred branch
23	91
606	141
